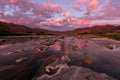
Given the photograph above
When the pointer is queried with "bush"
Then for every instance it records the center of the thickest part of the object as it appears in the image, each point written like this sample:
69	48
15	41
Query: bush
112	35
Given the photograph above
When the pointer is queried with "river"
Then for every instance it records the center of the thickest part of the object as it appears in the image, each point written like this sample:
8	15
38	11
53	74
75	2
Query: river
102	56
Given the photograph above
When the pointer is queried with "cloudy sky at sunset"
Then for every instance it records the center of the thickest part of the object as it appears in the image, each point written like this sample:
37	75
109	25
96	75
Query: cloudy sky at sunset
60	13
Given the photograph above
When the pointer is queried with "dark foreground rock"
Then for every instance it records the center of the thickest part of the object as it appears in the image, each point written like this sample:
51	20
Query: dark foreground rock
77	73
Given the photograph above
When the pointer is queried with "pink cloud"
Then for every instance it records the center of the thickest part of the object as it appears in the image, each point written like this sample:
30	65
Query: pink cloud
94	4
28	12
90	5
53	14
41	14
78	1
83	21
2	20
81	1
76	7
84	1
13	1
111	10
67	14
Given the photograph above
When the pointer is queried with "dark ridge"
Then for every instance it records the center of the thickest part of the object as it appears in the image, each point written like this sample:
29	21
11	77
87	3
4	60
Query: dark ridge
10	29
15	29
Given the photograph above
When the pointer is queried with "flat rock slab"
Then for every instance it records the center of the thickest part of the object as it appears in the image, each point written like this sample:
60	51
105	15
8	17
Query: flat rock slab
77	73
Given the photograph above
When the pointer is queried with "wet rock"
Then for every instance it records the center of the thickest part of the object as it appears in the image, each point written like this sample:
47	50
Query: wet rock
57	46
18	51
59	64
9	53
77	73
3	68
56	67
40	49
47	43
111	46
75	48
21	60
15	52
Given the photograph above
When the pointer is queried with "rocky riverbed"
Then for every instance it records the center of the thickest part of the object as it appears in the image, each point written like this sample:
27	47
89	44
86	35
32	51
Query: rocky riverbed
59	58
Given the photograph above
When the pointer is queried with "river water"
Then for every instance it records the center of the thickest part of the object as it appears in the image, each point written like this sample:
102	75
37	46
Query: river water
99	55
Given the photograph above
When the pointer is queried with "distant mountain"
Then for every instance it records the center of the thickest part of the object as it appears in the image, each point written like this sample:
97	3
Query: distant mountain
15	29
95	30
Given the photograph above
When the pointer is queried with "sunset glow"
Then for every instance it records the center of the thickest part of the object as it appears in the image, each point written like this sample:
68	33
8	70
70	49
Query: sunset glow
60	13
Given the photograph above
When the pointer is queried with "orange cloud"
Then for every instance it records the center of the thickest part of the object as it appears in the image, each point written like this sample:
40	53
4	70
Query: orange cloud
83	21
94	4
81	1
76	7
84	1
68	14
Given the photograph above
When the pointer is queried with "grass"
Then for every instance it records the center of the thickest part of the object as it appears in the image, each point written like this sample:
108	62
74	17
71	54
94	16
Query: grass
112	35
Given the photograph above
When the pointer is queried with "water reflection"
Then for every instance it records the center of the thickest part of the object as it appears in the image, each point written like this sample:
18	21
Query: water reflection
95	54
9	53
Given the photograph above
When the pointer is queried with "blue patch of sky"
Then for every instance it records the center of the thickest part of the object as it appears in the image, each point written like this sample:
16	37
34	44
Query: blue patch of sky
9	10
39	1
67	5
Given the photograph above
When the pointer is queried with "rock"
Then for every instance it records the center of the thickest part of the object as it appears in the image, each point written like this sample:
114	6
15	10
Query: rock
3	68
40	49
111	46
77	73
9	53
57	46
14	52
59	64
19	51
64	72
21	60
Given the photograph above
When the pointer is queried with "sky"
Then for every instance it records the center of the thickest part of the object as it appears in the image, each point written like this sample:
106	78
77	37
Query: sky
60	14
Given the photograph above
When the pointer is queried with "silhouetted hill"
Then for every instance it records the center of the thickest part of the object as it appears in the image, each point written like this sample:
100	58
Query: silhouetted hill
95	30
15	29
